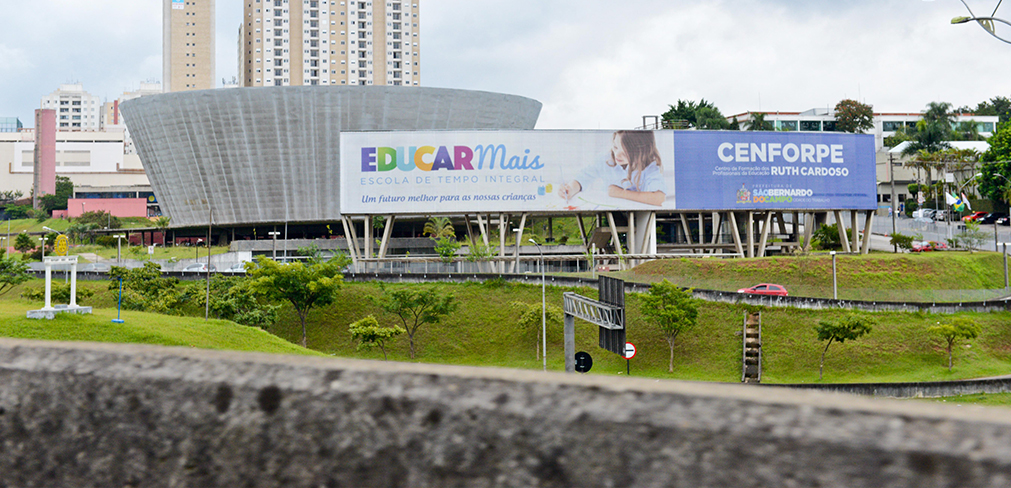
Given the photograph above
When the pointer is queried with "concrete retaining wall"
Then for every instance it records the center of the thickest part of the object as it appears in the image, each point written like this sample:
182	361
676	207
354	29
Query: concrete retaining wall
925	389
110	415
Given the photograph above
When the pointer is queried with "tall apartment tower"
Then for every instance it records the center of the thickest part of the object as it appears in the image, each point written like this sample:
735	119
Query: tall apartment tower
329	42
77	109
187	45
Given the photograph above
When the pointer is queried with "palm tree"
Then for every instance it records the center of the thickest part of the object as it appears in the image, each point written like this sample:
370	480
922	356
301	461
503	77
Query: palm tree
162	224
439	227
758	122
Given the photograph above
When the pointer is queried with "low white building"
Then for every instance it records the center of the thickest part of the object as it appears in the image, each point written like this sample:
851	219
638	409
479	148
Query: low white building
885	123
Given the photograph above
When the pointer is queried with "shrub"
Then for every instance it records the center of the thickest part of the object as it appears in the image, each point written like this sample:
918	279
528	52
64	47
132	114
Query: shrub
827	237
59	293
903	241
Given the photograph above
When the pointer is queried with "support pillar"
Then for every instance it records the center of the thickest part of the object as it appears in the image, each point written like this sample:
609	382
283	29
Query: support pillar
73	283
49	286
570	343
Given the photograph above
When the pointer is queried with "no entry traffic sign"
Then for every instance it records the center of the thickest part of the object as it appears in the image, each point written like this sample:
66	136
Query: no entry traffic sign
629	350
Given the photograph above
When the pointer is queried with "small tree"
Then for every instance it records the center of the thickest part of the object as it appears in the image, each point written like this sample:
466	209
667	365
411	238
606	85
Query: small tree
313	283
973	237
955	329
902	241
23	243
162	223
672	309
416	307
13	272
370	334
530	318
853	116
849	328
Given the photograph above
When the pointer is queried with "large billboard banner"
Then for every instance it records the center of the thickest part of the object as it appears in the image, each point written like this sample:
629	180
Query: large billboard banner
575	171
729	170
506	171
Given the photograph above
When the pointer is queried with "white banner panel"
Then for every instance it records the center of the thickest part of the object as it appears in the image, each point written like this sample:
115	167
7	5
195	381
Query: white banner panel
506	171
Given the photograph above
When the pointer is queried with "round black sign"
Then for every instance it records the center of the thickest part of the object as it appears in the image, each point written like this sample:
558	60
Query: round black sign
583	361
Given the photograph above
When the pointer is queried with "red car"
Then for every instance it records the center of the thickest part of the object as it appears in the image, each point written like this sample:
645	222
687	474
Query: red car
765	289
927	246
973	216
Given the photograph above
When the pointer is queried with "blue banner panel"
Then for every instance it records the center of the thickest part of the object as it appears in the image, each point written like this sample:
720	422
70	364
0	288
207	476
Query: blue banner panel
730	170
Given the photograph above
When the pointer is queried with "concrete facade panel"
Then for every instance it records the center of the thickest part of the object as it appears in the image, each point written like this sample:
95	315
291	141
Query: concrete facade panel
270	154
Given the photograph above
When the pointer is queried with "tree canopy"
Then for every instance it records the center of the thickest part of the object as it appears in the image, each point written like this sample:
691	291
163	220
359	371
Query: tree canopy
672	310
370	334
955	329
58	200
853	116
999	106
416	307
848	328
688	114
309	284
13	272
758	122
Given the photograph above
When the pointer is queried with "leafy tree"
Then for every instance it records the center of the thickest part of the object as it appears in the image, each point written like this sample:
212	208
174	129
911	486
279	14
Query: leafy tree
13	272
477	251
18	211
144	288
530	318
308	284
369	334
58	292
758	122
999	106
689	114
827	236
849	328
734	124
446	248
902	241
898	137
973	237
100	219
853	116
23	243
1000	144
416	307
58	200
80	232
234	298
672	309
953	330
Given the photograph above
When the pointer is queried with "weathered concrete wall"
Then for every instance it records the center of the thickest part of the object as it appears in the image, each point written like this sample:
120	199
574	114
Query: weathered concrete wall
110	415
923	389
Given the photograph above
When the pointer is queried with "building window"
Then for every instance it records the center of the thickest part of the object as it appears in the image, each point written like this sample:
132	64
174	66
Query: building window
891	125
810	125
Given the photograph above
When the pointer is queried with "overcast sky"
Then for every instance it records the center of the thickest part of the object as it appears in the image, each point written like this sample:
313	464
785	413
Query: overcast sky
592	63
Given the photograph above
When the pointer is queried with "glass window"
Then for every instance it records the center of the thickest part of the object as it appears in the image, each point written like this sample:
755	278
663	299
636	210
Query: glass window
828	126
810	125
985	126
787	125
891	125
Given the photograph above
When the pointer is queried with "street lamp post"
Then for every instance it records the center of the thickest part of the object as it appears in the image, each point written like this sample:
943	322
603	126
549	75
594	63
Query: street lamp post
119	255
835	288
1005	268
43	239
274	235
985	22
544	309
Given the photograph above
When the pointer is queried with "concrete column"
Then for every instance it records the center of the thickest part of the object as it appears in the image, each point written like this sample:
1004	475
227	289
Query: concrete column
570	344
73	283
49	286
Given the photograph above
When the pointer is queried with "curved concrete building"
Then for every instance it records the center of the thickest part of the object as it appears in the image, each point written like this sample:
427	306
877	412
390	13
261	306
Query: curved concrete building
270	155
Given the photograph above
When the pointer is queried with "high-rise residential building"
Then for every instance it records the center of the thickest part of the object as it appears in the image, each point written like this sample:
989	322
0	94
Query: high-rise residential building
188	45
329	42
75	108
111	116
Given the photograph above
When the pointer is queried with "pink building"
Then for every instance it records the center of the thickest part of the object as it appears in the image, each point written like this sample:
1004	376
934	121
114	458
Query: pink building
118	207
45	154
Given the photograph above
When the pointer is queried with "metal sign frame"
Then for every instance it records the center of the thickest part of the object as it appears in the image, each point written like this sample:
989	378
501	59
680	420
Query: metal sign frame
608	313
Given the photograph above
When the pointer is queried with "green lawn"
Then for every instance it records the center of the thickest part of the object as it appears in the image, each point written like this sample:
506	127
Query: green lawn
937	276
984	399
484	329
140	252
32	225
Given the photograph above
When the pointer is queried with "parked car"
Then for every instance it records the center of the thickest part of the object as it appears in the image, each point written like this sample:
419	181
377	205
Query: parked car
95	268
239	267
198	268
765	289
940	215
927	246
991	217
973	216
924	214
1004	221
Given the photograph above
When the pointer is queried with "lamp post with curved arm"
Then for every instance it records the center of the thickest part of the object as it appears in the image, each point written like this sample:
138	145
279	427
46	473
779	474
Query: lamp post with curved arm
987	23
544	309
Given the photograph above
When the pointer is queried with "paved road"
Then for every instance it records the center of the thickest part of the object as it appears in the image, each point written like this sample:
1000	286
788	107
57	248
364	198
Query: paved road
935	231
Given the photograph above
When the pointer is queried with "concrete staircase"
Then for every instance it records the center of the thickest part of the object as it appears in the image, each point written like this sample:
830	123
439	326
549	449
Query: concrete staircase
752	359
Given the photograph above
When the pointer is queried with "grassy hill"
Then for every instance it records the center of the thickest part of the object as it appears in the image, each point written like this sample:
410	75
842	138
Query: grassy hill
484	330
941	276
